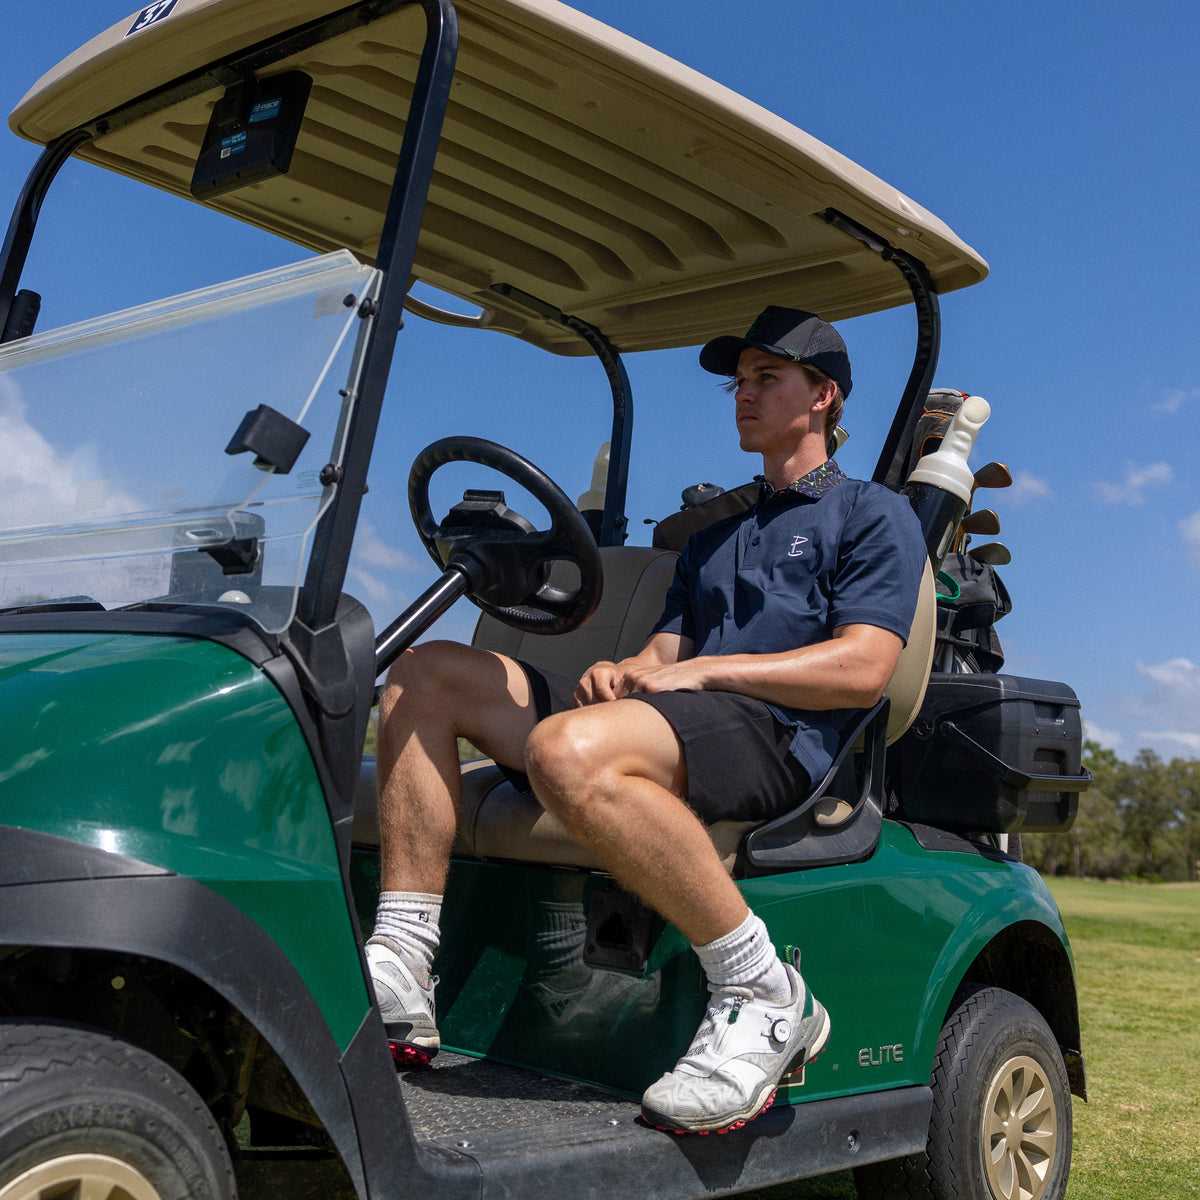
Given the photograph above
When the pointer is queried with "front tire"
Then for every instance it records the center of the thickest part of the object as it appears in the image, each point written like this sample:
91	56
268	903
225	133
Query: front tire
1001	1122
82	1113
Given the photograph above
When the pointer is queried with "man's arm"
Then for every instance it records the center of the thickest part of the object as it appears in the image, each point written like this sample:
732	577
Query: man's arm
850	670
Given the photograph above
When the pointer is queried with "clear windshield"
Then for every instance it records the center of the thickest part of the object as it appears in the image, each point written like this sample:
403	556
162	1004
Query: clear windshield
115	479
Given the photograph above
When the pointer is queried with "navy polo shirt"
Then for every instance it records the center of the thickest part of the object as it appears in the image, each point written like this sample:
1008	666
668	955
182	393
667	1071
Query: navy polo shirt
826	552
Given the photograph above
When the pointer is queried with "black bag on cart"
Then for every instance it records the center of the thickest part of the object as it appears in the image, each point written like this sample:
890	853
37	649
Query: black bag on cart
971	599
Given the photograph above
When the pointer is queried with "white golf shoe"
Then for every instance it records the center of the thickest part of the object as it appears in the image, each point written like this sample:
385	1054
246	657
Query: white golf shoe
741	1051
407	1007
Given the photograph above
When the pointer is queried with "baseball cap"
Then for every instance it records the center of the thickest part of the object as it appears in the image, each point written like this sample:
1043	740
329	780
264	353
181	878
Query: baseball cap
789	333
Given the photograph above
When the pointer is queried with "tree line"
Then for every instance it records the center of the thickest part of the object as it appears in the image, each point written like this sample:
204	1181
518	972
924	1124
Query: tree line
1138	820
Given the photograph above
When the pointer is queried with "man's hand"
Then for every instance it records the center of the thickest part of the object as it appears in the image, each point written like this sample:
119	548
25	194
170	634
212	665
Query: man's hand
602	681
642	673
692	674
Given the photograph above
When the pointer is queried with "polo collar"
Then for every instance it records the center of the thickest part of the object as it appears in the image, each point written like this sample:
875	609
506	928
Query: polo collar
817	483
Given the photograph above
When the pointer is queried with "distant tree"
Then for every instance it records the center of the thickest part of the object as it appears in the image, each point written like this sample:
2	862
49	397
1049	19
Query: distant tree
1096	846
1092	846
1148	812
1140	818
1183	786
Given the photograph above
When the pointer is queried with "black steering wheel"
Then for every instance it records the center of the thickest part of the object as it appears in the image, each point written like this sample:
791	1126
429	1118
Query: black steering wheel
506	559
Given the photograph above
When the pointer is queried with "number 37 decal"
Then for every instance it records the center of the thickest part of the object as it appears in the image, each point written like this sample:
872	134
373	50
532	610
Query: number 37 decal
150	14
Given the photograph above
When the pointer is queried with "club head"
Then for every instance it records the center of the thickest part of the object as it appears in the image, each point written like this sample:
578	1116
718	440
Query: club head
983	521
994	554
992	475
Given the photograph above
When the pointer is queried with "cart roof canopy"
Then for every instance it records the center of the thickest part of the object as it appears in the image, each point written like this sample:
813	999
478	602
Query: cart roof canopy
576	164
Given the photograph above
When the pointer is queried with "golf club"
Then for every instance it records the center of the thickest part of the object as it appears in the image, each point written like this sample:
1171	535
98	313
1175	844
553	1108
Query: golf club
994	554
992	475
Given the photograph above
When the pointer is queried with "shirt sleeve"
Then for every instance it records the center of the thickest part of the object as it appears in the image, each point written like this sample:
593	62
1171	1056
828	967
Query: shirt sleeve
677	616
881	558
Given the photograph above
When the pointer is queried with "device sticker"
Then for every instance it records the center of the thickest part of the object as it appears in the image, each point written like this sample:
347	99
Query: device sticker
266	110
150	14
233	145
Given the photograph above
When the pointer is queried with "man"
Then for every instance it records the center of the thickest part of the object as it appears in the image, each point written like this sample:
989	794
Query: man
780	623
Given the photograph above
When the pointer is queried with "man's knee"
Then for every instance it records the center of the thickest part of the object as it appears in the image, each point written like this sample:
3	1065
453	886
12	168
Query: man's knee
419	675
561	755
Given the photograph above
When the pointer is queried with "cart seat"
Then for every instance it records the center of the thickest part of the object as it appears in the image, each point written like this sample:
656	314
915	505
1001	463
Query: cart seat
500	822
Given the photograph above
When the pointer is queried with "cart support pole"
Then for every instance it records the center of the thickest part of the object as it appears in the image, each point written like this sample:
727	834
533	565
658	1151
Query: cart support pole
614	523
25	216
397	250
889	470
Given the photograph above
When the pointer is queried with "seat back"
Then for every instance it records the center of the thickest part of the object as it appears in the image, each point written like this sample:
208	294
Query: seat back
636	579
841	817
906	689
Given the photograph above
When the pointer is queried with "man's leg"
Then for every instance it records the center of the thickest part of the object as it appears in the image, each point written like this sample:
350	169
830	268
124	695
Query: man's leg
615	775
436	693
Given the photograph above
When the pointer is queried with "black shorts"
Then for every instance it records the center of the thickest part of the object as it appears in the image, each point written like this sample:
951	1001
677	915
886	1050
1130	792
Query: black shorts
736	751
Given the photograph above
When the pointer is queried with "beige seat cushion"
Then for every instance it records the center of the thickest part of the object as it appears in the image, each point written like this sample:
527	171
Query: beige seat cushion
500	822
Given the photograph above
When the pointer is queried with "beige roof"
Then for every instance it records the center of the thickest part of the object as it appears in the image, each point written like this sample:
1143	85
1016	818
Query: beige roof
576	164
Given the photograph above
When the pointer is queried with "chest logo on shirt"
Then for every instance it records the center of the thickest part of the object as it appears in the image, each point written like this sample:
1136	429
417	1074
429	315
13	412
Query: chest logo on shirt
797	542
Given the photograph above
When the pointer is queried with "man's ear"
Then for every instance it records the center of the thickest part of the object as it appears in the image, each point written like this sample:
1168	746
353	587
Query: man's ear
826	393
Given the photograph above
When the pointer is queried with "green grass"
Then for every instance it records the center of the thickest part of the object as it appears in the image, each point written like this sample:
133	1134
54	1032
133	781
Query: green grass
1137	959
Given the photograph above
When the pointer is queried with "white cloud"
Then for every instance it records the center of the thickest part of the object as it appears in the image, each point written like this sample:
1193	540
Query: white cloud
372	551
1132	488
371	574
375	591
1026	487
1106	737
1177	675
1189	530
43	485
1167	713
1189	743
1175	399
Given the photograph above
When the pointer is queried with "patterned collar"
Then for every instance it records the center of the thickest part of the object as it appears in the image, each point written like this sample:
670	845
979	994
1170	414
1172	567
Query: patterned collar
817	483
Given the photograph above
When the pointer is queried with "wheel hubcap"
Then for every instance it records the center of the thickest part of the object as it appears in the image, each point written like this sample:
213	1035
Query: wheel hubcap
1020	1131
80	1177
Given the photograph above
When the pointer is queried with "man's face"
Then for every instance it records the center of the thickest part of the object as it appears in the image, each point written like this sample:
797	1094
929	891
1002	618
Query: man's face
774	401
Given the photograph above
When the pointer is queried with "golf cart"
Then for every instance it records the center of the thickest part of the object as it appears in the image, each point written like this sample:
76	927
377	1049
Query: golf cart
190	842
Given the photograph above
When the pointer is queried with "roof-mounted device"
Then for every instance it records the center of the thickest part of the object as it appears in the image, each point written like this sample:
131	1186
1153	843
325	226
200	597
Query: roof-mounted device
251	134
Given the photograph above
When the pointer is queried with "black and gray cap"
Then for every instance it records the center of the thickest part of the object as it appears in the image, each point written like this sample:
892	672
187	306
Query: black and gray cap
789	333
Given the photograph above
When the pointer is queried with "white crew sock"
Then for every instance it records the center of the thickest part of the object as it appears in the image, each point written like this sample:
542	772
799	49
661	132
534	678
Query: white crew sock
559	931
410	919
746	958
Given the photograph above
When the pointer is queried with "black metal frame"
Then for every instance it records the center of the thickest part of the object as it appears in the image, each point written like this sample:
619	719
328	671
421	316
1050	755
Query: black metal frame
615	523
797	840
25	216
889	470
397	249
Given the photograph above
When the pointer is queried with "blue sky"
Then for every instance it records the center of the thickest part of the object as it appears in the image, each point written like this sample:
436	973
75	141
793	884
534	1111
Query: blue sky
1058	139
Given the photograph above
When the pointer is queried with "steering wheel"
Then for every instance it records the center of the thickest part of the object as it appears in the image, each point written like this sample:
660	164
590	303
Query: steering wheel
505	558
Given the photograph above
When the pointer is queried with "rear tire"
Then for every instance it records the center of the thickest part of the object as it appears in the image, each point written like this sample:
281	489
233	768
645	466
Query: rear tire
82	1113
1001	1122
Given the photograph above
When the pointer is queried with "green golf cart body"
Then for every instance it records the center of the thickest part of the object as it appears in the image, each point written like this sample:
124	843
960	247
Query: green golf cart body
190	847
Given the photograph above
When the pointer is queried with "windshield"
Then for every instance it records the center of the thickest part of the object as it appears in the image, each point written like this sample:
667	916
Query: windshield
118	485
